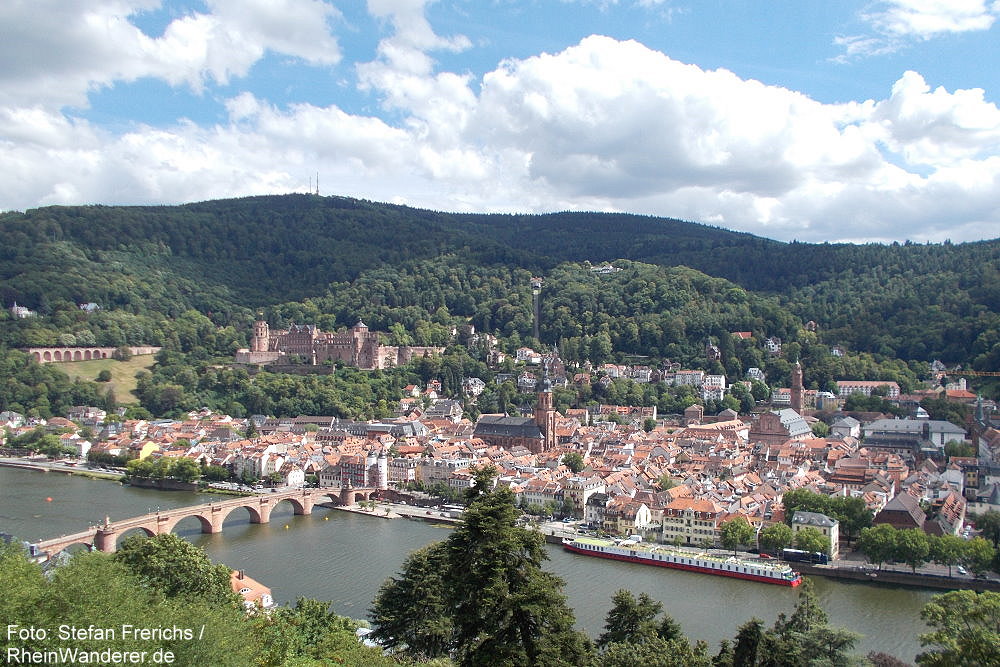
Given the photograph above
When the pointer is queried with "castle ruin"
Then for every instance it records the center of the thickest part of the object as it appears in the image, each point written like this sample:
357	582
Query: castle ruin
358	346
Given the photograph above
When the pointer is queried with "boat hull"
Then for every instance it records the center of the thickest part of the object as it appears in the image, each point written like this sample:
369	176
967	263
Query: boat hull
684	566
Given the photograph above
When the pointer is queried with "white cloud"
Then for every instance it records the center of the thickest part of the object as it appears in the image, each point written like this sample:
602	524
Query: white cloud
604	125
621	120
54	53
928	18
403	74
613	125
937	128
899	23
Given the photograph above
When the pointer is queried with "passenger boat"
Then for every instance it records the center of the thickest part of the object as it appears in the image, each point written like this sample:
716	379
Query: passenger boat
634	550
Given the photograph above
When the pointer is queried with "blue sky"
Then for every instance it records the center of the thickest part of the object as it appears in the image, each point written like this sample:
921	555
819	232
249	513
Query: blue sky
808	120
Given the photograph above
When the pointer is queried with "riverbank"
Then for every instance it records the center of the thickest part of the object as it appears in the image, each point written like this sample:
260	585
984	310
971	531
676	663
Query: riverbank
897	578
397	511
45	466
114	476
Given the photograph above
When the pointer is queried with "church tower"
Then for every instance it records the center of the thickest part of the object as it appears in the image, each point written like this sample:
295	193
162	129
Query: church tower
261	337
545	412
797	388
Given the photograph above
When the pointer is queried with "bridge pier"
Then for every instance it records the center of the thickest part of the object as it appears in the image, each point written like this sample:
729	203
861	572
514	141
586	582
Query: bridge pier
263	511
305	506
214	523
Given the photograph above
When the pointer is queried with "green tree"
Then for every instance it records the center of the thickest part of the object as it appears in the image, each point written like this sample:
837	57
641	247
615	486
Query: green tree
811	539
852	513
666	482
24	587
655	652
735	532
805	500
912	547
185	470
807	615
104	375
503	608
956	448
947	550
411	610
630	619
573	461
978	555
965	630
747	643
176	568
988	523
96	589
775	537
806	638
878	543
215	473
820	429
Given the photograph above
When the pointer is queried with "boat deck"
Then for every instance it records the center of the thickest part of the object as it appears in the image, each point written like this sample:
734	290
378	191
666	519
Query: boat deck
681	553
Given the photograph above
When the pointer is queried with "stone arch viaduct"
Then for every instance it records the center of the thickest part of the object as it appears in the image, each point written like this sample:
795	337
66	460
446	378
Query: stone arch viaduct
47	355
211	516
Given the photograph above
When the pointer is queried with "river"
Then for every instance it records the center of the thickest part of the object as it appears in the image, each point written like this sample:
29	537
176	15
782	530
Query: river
344	557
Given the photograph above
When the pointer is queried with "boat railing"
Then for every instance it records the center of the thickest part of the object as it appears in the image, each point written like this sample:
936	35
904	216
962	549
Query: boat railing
682	553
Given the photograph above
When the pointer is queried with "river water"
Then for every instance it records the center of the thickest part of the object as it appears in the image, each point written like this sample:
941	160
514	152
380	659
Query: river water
344	557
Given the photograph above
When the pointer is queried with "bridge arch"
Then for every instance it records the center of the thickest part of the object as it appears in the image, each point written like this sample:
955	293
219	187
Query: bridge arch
298	507
255	516
329	495
132	532
70	548
170	524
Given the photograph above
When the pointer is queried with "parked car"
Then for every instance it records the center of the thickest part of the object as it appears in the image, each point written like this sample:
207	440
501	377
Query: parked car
961	570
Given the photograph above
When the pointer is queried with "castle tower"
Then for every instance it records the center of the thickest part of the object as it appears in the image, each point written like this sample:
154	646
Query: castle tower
261	337
797	388
545	412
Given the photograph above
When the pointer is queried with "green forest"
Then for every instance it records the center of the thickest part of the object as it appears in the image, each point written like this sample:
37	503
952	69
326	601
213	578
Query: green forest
192	279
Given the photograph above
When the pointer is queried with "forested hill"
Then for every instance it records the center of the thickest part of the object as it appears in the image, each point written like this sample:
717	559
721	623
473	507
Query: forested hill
256	244
280	248
910	301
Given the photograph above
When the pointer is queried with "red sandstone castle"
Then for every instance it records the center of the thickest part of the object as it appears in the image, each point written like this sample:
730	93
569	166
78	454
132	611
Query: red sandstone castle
357	346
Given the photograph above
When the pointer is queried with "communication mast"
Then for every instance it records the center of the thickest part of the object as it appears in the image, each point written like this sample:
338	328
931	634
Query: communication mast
536	289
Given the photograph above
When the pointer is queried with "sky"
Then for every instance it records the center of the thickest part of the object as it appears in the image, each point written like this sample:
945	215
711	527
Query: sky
808	120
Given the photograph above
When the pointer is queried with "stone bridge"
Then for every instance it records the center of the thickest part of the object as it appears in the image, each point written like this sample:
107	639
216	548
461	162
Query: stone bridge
211	516
45	355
